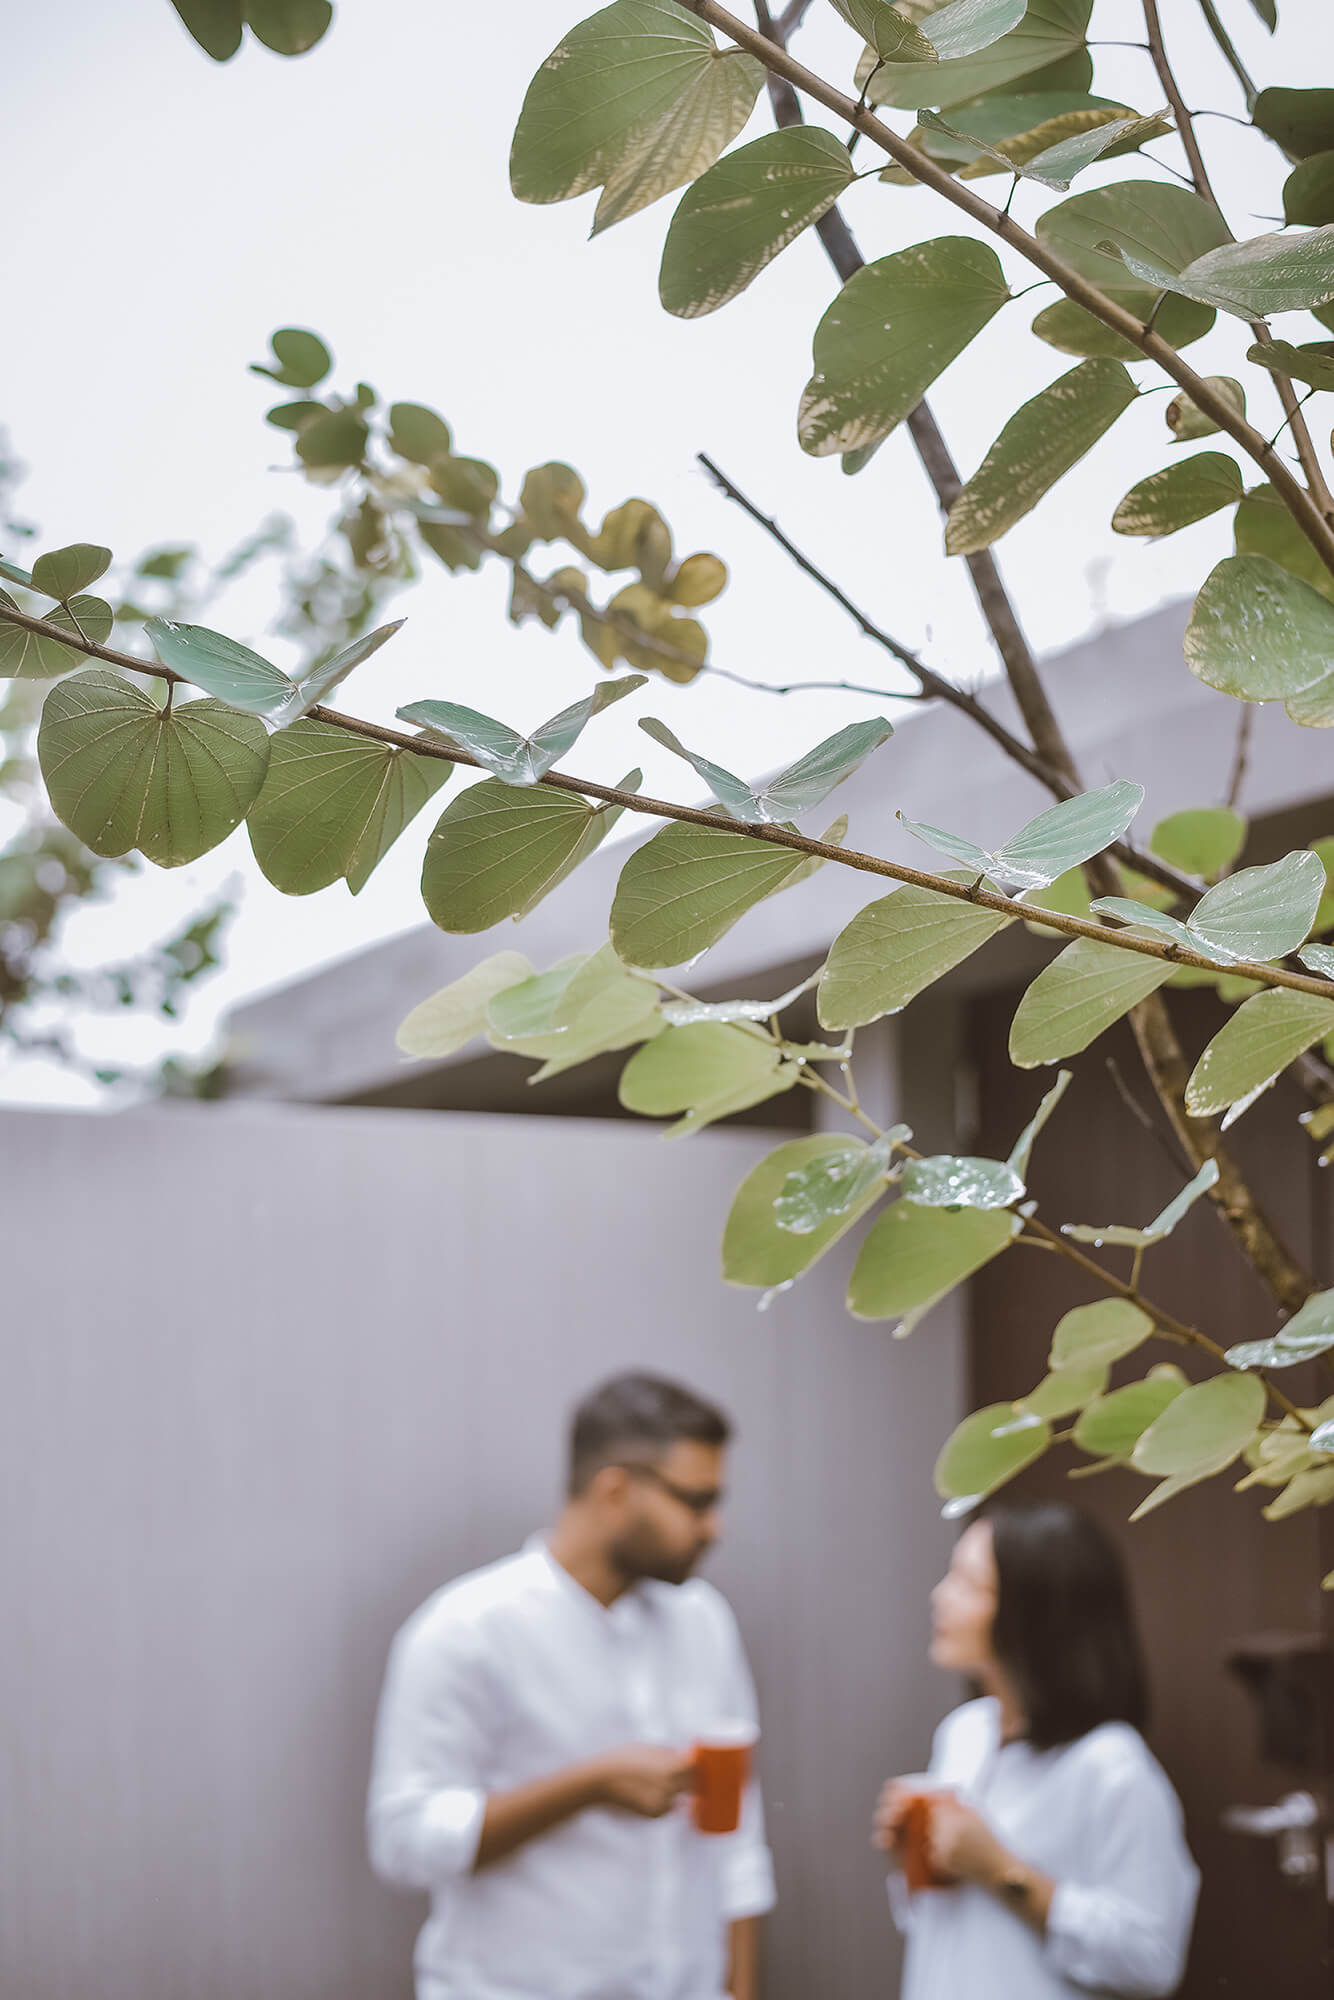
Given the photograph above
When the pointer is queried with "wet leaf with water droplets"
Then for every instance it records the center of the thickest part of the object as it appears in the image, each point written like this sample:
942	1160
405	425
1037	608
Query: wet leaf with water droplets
948	1180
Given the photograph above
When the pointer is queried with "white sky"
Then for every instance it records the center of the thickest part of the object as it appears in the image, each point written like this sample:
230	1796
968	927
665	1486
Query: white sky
171	212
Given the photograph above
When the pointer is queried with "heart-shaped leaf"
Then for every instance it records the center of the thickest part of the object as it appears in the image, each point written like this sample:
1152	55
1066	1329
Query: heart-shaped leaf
1169	226
1260	913
32	656
914	1256
232	673
333	804
891	331
636	100
302	357
794	790
1257	632
895	948
1039	444
1047	32
515	759
1266	274
738	216
123	773
457	1013
1182	494
63	573
1057	840
497	851
1312	364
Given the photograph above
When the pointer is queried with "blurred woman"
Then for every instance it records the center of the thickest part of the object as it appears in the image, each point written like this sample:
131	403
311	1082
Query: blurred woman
1055	1832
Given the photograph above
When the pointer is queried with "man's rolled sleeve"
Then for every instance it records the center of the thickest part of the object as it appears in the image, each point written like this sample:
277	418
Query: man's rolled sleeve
427	1796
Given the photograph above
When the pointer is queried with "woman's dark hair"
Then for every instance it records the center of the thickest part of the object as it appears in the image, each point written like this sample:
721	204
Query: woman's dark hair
1065	1627
638	1417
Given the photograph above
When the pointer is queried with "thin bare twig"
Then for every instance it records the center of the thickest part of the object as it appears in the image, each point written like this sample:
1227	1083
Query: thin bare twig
1240	757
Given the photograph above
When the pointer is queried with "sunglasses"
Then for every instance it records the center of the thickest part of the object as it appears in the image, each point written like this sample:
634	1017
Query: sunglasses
700	1500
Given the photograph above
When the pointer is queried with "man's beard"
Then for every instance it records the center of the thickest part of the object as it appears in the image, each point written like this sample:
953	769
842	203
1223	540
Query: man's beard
640	1558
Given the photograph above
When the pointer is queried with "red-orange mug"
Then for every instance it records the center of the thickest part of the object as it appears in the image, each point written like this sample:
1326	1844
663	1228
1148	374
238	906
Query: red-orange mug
919	1872
721	1762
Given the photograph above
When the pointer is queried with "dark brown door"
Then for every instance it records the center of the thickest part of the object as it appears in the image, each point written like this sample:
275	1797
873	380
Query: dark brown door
1211	1576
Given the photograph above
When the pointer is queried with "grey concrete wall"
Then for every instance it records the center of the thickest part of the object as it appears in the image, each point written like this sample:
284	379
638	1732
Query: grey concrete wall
267	1376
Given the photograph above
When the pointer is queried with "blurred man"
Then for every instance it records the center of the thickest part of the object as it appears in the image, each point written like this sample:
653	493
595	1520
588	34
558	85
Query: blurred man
533	1743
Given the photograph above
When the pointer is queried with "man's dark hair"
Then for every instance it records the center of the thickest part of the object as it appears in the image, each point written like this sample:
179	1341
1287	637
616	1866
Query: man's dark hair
1065	1626
638	1418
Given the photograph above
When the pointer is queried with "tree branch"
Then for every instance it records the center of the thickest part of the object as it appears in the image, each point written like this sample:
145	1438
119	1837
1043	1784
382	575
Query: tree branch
1317	530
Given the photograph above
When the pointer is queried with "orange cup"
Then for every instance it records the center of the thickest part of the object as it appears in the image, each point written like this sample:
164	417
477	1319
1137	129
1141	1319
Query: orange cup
915	1839
721	1761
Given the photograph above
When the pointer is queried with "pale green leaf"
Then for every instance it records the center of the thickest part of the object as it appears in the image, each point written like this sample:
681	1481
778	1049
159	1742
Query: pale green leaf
1253	1048
1118	1234
707	1071
1023	1145
1098	1334
1202	840
758	1248
1056	165
1308	1333
457	1013
1260	913
794	790
223	668
1112	1425
895	948
509	756
1056	841
63	573
1285	272
1187	421
1077	997
1064	1391
123	773
1311	364
914	1256
1264	526
1049	31
1182	494
948	1180
986	1450
498	850
1072	330
1257	632
889	33
517	1013
681	1012
835	1181
320	682
596	1007
635	100
1039	444
333	804
684	889
1203	1429
31	656
891	331
738	216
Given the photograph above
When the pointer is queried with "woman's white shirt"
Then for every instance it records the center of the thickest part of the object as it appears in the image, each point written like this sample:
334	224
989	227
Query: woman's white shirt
1101	1819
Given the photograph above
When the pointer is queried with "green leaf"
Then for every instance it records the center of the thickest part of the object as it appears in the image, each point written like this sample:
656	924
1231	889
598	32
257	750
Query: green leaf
1203	1429
966	27
1260	913
457	1013
603	1007
1077	997
302	357
520	1012
123	773
497	851
321	681
1064	1391
515	759
223	668
1188	422
1039	444
891	331
1056	165
635	100
1112	1425
947	1180
895	948
418	433
1095	1336
835	1181
215	24
1202	840
986	1450
289	27
914	1256
1263	526
738	216
1253	1048
292	416
1300	121
1023	1145
333	804
1168	225
1066	326
1308	192
1313	364
1163	1224
684	889
31	656
680	1012
1049	31
65	572
795	790
13	574
757	1248
1182	494
1268	12
1265	274
338	438
1258	632
885	30
1308	1333
1057	840
708	1071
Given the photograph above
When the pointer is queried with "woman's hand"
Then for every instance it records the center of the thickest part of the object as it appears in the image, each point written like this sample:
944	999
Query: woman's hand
961	1844
887	1819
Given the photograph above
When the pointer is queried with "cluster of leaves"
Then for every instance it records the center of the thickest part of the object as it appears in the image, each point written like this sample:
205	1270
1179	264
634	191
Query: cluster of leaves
408	482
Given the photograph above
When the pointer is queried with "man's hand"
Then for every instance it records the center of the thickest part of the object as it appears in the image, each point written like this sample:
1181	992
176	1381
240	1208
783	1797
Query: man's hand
643	1778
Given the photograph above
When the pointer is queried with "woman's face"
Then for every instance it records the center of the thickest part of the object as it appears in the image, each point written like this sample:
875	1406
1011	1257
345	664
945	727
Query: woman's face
963	1604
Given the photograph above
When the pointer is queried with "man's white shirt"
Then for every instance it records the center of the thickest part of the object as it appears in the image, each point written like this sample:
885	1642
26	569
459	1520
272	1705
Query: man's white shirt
513	1673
